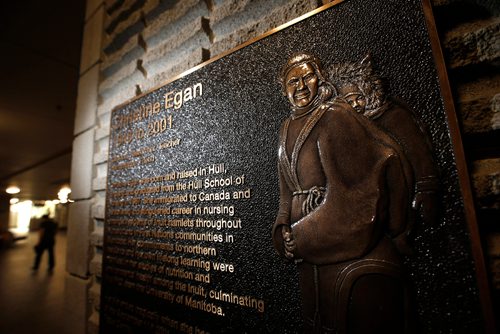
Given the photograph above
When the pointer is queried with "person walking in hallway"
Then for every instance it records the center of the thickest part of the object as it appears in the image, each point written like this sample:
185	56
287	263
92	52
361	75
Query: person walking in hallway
46	241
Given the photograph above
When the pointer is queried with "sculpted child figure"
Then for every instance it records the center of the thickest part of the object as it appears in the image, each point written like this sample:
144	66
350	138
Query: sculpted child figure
363	89
344	205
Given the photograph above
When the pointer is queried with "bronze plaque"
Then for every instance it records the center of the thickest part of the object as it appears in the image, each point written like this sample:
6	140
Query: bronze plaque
308	181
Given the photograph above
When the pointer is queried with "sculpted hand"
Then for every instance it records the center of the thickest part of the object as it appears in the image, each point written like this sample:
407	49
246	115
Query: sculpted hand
289	242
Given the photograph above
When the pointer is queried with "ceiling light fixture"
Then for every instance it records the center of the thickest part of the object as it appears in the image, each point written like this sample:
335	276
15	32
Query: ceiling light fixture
63	194
12	190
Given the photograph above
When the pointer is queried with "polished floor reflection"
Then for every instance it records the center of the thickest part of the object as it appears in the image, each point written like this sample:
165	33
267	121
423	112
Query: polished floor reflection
32	302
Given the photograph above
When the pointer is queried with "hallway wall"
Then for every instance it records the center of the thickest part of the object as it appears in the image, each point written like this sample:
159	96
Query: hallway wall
131	46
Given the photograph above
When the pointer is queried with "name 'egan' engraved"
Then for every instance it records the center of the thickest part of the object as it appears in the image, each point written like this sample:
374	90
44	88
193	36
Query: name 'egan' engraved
175	99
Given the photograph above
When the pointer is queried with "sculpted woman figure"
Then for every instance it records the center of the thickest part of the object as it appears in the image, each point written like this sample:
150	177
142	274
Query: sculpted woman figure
344	202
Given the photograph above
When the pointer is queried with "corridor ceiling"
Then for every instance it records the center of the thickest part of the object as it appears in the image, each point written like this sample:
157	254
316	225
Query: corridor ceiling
40	44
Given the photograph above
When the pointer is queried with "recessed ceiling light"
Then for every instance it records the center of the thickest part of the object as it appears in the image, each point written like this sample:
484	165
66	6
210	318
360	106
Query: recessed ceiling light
12	190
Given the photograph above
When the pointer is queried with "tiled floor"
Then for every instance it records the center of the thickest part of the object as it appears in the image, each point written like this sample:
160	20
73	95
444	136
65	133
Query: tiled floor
32	302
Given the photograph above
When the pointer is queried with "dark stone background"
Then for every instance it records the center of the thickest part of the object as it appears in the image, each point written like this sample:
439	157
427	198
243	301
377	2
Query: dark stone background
237	122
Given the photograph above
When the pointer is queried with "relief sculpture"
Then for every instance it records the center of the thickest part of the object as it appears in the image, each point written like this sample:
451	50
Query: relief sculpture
351	183
363	89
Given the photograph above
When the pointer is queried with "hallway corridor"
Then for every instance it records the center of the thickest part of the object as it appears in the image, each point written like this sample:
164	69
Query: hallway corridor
32	302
